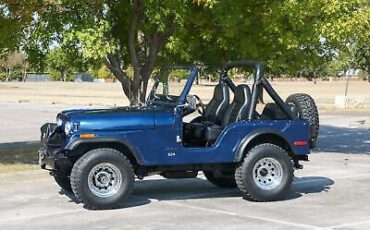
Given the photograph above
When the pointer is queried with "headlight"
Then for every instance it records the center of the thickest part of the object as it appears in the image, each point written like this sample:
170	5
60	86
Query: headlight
59	121
67	127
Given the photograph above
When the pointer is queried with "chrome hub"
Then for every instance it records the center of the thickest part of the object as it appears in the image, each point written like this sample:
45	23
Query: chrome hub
267	173
104	180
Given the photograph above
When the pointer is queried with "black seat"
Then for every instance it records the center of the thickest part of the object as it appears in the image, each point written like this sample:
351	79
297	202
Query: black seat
214	111
237	110
216	108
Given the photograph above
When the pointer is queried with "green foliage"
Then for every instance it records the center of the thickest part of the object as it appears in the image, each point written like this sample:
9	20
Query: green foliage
361	56
66	61
2	76
55	75
133	38
178	74
102	73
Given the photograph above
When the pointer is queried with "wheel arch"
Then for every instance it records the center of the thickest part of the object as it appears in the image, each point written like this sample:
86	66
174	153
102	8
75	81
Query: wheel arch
80	147
262	136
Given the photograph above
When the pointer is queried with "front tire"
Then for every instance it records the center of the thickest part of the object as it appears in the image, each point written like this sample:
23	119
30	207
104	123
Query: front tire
63	181
102	179
266	173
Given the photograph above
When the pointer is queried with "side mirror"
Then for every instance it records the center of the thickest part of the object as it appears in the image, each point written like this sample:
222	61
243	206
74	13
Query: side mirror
190	105
191	102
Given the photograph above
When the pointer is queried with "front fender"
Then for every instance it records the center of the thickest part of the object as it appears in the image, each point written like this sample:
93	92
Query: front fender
76	143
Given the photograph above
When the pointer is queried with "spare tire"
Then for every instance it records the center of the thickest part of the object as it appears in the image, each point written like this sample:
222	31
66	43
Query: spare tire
305	108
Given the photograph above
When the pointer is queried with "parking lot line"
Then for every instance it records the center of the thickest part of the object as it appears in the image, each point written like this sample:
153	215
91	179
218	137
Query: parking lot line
200	195
270	220
333	178
20	218
347	225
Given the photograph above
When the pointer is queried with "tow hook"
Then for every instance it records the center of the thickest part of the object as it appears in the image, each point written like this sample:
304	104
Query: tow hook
297	165
41	158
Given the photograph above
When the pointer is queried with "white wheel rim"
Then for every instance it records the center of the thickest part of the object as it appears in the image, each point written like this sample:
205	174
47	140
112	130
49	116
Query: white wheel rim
104	180
267	173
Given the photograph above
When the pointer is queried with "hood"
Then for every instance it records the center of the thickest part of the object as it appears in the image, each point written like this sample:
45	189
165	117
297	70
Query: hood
123	118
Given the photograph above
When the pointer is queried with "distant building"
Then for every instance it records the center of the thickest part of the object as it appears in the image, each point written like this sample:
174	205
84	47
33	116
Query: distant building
350	73
38	77
83	77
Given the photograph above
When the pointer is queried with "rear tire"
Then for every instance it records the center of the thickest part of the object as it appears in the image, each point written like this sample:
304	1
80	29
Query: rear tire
223	181
63	181
102	179
306	109
266	173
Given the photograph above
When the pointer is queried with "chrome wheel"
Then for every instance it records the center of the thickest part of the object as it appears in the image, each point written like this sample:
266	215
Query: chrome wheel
105	180
267	173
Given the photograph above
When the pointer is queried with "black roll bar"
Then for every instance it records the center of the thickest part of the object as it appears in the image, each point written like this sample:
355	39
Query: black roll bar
259	79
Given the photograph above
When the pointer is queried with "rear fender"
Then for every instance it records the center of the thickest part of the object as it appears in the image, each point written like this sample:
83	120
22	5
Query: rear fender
264	135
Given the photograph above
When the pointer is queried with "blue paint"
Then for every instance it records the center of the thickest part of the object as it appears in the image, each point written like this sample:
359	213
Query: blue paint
155	131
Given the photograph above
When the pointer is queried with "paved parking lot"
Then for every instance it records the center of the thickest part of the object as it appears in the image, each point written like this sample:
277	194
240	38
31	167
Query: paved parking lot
331	192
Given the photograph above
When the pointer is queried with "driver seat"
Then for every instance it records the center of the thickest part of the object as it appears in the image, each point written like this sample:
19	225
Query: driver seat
213	112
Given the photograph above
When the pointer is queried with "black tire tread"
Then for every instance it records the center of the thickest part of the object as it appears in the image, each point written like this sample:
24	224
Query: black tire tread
220	182
63	181
76	170
239	174
308	111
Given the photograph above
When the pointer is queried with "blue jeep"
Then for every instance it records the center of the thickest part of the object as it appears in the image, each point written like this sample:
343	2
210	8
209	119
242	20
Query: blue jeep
97	153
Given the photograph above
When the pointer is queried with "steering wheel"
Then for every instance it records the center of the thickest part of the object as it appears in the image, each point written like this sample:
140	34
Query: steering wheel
200	105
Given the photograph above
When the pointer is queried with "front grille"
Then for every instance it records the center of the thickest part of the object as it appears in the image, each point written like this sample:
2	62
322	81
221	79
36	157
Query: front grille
52	138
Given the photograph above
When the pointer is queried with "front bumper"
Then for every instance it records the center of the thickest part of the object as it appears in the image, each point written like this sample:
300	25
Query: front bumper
44	160
51	156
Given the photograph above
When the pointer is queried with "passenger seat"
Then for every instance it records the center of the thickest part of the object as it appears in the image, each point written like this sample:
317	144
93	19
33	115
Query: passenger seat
237	110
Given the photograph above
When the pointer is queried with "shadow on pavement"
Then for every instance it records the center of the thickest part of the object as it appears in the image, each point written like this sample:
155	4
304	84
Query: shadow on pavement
19	152
344	140
307	185
147	191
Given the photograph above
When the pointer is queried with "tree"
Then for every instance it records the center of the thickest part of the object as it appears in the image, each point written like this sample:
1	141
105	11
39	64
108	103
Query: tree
118	33
277	33
361	57
11	61
15	16
61	62
102	73
143	34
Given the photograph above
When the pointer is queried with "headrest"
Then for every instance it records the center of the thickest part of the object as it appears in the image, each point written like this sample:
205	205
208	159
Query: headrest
242	94
221	91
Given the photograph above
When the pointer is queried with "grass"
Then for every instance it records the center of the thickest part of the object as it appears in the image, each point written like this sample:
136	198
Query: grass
18	159
7	168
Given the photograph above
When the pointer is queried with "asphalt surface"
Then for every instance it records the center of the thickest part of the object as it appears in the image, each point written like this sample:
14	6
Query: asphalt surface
331	192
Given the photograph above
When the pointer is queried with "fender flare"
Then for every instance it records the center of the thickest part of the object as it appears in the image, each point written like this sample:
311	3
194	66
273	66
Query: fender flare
78	142
239	153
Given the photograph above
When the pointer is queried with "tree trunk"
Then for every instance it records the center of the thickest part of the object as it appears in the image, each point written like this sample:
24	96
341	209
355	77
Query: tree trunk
136	95
143	63
64	77
25	72
8	74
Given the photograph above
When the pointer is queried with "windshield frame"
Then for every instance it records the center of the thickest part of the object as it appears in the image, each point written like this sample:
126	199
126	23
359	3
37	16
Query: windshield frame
189	82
